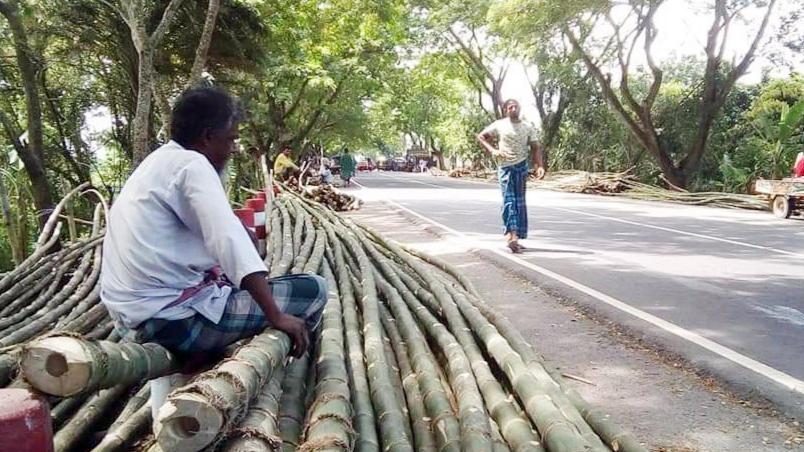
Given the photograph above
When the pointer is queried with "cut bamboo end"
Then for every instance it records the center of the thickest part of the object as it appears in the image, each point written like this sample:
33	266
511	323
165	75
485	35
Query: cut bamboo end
187	422
58	366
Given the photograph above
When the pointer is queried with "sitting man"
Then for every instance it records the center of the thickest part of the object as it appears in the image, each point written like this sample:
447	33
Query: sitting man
284	168
179	268
326	174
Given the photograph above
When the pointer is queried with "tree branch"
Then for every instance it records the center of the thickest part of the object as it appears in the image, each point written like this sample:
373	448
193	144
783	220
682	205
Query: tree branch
167	18
297	100
204	42
650	37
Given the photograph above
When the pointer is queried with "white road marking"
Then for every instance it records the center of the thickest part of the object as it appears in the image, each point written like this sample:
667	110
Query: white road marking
766	371
678	231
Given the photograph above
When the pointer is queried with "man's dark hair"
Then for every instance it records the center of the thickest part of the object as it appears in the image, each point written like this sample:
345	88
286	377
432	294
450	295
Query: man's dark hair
199	109
510	101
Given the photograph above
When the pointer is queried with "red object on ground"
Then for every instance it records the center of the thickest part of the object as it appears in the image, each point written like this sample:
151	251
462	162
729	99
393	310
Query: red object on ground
256	204
799	169
246	215
25	424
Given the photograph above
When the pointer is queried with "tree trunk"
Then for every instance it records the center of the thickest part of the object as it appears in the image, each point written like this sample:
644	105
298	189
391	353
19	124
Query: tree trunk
161	93
32	154
134	14
17	252
142	117
203	44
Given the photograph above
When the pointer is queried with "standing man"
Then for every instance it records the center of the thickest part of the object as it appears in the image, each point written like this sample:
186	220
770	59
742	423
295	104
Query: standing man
347	166
516	140
178	266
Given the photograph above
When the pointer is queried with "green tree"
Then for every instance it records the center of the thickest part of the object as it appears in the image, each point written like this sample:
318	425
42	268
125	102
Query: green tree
771	131
632	28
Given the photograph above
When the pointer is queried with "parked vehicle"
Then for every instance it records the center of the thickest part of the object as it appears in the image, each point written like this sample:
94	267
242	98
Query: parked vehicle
384	164
786	196
366	165
401	164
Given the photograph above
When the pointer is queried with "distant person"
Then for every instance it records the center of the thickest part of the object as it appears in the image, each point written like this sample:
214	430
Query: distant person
798	167
515	138
326	174
284	167
422	166
348	166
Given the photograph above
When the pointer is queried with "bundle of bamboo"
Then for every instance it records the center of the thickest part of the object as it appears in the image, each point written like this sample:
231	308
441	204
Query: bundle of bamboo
332	198
625	184
408	357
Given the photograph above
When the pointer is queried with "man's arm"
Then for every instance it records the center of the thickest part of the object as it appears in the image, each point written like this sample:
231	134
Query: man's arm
484	137
537	153
257	286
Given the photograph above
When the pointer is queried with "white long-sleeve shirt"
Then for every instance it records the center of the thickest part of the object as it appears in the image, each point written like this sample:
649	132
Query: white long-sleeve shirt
172	222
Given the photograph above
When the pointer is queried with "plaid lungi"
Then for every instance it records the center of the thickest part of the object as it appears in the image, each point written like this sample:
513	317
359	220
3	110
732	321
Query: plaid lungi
513	181
303	296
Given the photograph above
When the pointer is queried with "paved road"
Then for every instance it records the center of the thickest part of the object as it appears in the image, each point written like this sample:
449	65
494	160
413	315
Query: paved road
726	286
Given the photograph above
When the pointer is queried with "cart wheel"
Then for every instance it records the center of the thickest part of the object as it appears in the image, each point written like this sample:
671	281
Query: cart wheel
782	207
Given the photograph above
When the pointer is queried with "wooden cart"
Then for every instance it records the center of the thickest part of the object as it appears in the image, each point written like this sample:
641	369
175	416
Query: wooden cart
786	196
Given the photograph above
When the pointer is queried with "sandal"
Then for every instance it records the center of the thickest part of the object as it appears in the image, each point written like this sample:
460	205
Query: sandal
514	247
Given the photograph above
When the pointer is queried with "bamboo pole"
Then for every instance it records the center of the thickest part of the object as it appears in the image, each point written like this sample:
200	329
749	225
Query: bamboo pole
196	415
475	430
363	418
65	366
424	439
90	413
259	431
118	438
557	431
8	367
292	405
516	430
329	423
382	393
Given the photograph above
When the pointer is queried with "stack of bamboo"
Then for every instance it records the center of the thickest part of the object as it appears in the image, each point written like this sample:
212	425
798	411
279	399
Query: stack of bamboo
625	184
468	172
55	288
332	198
408	358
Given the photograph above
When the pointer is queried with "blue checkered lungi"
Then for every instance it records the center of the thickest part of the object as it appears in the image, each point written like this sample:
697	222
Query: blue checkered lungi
303	296
513	180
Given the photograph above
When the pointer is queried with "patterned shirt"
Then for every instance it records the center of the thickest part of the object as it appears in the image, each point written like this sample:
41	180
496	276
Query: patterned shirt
513	140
